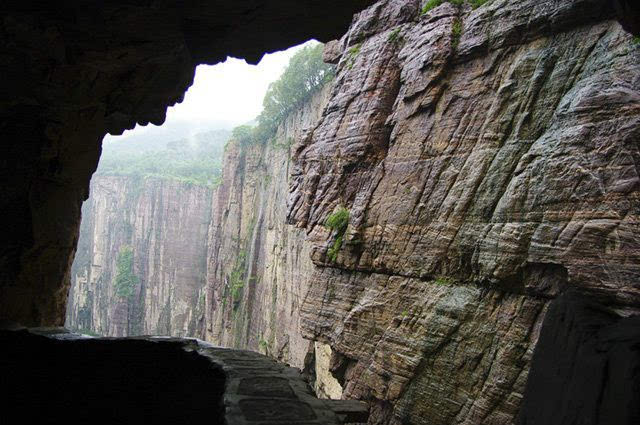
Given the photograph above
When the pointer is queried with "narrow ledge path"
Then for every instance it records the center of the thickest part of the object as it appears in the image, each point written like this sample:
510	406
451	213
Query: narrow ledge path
153	378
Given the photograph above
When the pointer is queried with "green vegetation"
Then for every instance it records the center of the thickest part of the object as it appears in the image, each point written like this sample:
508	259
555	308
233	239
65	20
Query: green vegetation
636	40
236	278
477	3
444	280
125	281
335	248
353	54
196	161
432	4
264	345
337	222
304	76
395	37
456	33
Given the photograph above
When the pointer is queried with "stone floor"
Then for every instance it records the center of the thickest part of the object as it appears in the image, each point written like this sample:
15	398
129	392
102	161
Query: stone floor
55	376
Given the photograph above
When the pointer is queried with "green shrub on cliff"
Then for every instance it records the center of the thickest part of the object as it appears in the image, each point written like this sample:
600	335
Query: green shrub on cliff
305	75
456	33
432	4
125	281
338	221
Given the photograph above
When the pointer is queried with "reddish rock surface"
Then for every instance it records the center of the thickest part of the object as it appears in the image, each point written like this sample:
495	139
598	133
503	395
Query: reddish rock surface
489	161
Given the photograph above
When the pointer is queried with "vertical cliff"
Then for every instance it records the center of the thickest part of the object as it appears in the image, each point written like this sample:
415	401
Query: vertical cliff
450	226
258	265
158	289
487	159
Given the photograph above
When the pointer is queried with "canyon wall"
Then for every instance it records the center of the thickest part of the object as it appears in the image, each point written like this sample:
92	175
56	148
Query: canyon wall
258	265
75	71
164	224
488	158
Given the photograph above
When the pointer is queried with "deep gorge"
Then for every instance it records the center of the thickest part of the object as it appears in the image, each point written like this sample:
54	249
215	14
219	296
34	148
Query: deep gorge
488	161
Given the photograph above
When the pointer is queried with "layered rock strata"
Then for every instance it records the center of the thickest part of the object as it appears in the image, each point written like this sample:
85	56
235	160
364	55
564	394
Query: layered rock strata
164	224
258	266
488	160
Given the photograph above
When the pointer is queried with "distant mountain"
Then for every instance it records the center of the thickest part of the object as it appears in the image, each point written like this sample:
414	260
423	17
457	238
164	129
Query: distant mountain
195	159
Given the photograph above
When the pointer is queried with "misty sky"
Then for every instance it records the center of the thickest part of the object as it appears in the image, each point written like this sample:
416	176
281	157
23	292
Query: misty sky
222	96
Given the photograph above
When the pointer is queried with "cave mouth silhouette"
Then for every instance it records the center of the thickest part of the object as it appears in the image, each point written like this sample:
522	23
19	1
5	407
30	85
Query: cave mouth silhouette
75	71
108	380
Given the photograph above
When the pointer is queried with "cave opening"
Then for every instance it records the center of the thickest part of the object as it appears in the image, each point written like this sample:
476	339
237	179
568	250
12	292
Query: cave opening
144	255
552	167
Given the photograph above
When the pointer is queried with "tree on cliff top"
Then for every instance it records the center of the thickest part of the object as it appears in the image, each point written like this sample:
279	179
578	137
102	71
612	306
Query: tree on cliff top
304	76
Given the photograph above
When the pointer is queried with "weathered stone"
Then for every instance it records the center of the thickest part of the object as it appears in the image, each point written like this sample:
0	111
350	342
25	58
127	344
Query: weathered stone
166	224
154	380
479	169
488	161
332	52
252	248
486	174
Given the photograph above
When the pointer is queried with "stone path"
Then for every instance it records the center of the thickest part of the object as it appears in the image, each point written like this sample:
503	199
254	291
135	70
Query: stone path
258	390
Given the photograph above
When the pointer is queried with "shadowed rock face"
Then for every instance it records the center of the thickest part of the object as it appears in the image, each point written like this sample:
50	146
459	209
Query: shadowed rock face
586	368
74	71
52	376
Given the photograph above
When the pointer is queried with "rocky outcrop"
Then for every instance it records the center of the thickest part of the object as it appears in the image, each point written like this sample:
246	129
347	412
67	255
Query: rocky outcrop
73	72
258	266
164	224
155	379
488	160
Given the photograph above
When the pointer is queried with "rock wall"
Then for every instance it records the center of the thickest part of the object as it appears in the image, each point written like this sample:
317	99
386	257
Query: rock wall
165	224
258	265
489	161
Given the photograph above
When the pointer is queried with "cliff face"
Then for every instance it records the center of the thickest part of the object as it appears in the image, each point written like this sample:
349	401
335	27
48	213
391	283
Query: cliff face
164	224
259	266
489	161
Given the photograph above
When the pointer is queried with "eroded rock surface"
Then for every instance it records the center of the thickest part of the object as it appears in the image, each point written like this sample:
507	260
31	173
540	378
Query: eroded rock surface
259	266
164	223
132	380
489	161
